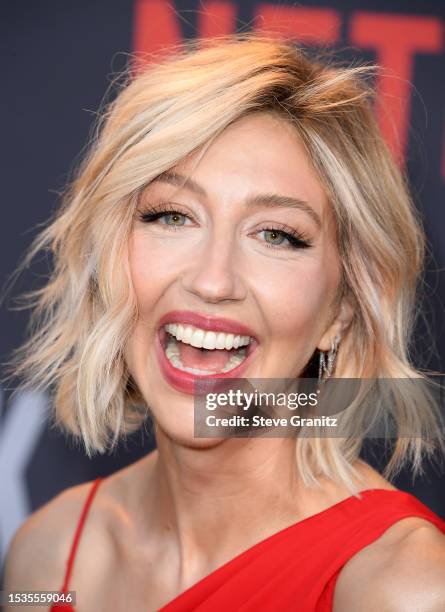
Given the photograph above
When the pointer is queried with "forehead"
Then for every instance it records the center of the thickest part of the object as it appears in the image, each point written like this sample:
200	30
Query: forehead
257	154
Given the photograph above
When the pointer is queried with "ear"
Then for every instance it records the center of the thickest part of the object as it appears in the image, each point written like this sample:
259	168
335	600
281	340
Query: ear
339	325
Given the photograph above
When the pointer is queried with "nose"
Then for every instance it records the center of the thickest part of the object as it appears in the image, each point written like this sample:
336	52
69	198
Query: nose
215	272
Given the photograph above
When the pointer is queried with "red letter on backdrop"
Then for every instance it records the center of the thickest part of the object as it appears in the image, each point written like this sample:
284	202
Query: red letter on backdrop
396	38
155	26
308	25
216	18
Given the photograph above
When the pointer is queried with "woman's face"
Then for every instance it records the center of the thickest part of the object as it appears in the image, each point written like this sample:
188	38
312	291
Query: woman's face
235	272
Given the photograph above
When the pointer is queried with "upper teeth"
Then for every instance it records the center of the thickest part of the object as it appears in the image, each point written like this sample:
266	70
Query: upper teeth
206	339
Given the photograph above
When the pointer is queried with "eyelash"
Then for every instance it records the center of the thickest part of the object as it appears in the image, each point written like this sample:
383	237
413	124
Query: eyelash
152	214
296	240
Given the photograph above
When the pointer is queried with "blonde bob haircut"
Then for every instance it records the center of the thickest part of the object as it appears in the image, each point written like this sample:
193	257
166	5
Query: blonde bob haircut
83	316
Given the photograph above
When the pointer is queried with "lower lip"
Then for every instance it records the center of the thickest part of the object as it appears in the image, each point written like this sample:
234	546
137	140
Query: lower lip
185	381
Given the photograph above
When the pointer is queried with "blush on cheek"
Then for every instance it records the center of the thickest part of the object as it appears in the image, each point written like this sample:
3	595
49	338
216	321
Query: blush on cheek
154	267
295	300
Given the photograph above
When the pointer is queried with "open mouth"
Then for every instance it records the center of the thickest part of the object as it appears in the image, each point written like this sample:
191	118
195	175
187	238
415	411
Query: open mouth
204	353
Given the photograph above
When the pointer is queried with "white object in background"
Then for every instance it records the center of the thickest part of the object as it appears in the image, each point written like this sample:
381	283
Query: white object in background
20	431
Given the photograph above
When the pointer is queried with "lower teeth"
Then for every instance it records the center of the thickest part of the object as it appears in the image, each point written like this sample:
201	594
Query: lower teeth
172	353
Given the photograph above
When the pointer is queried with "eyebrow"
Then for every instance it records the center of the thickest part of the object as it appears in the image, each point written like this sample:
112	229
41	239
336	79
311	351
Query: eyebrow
269	200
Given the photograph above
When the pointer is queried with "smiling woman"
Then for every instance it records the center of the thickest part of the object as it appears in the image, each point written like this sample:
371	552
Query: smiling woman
254	243
238	216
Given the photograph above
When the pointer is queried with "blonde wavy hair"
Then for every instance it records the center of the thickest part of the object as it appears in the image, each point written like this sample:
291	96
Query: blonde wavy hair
85	313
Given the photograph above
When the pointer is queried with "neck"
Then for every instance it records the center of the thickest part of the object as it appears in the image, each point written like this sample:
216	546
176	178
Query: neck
213	503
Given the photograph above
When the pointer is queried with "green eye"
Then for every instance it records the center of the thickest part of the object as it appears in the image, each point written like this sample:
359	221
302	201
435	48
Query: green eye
274	237
166	216
277	238
174	218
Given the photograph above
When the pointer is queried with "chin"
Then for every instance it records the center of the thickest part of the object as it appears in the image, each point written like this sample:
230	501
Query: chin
187	440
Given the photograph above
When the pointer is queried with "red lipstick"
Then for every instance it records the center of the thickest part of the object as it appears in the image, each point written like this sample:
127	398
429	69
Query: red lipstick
185	381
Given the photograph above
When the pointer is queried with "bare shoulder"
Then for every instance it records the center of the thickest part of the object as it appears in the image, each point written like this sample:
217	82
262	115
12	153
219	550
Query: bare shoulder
403	571
39	550
38	554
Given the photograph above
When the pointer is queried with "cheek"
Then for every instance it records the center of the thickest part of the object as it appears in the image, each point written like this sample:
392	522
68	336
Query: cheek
295	296
147	281
152	271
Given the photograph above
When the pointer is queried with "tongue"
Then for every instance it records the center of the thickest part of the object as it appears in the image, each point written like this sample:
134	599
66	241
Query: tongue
204	359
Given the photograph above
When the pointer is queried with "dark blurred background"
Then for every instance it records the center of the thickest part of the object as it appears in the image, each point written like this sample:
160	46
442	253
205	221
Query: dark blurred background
59	59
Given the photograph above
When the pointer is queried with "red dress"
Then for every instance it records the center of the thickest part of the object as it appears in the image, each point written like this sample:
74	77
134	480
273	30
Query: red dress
296	568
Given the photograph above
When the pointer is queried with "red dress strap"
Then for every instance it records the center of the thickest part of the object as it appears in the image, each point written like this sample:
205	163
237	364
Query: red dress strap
80	524
75	544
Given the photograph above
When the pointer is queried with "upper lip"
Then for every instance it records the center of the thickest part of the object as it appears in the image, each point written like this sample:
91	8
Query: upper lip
207	322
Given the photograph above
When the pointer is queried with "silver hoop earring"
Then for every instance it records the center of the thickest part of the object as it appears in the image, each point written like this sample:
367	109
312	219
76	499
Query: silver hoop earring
327	360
